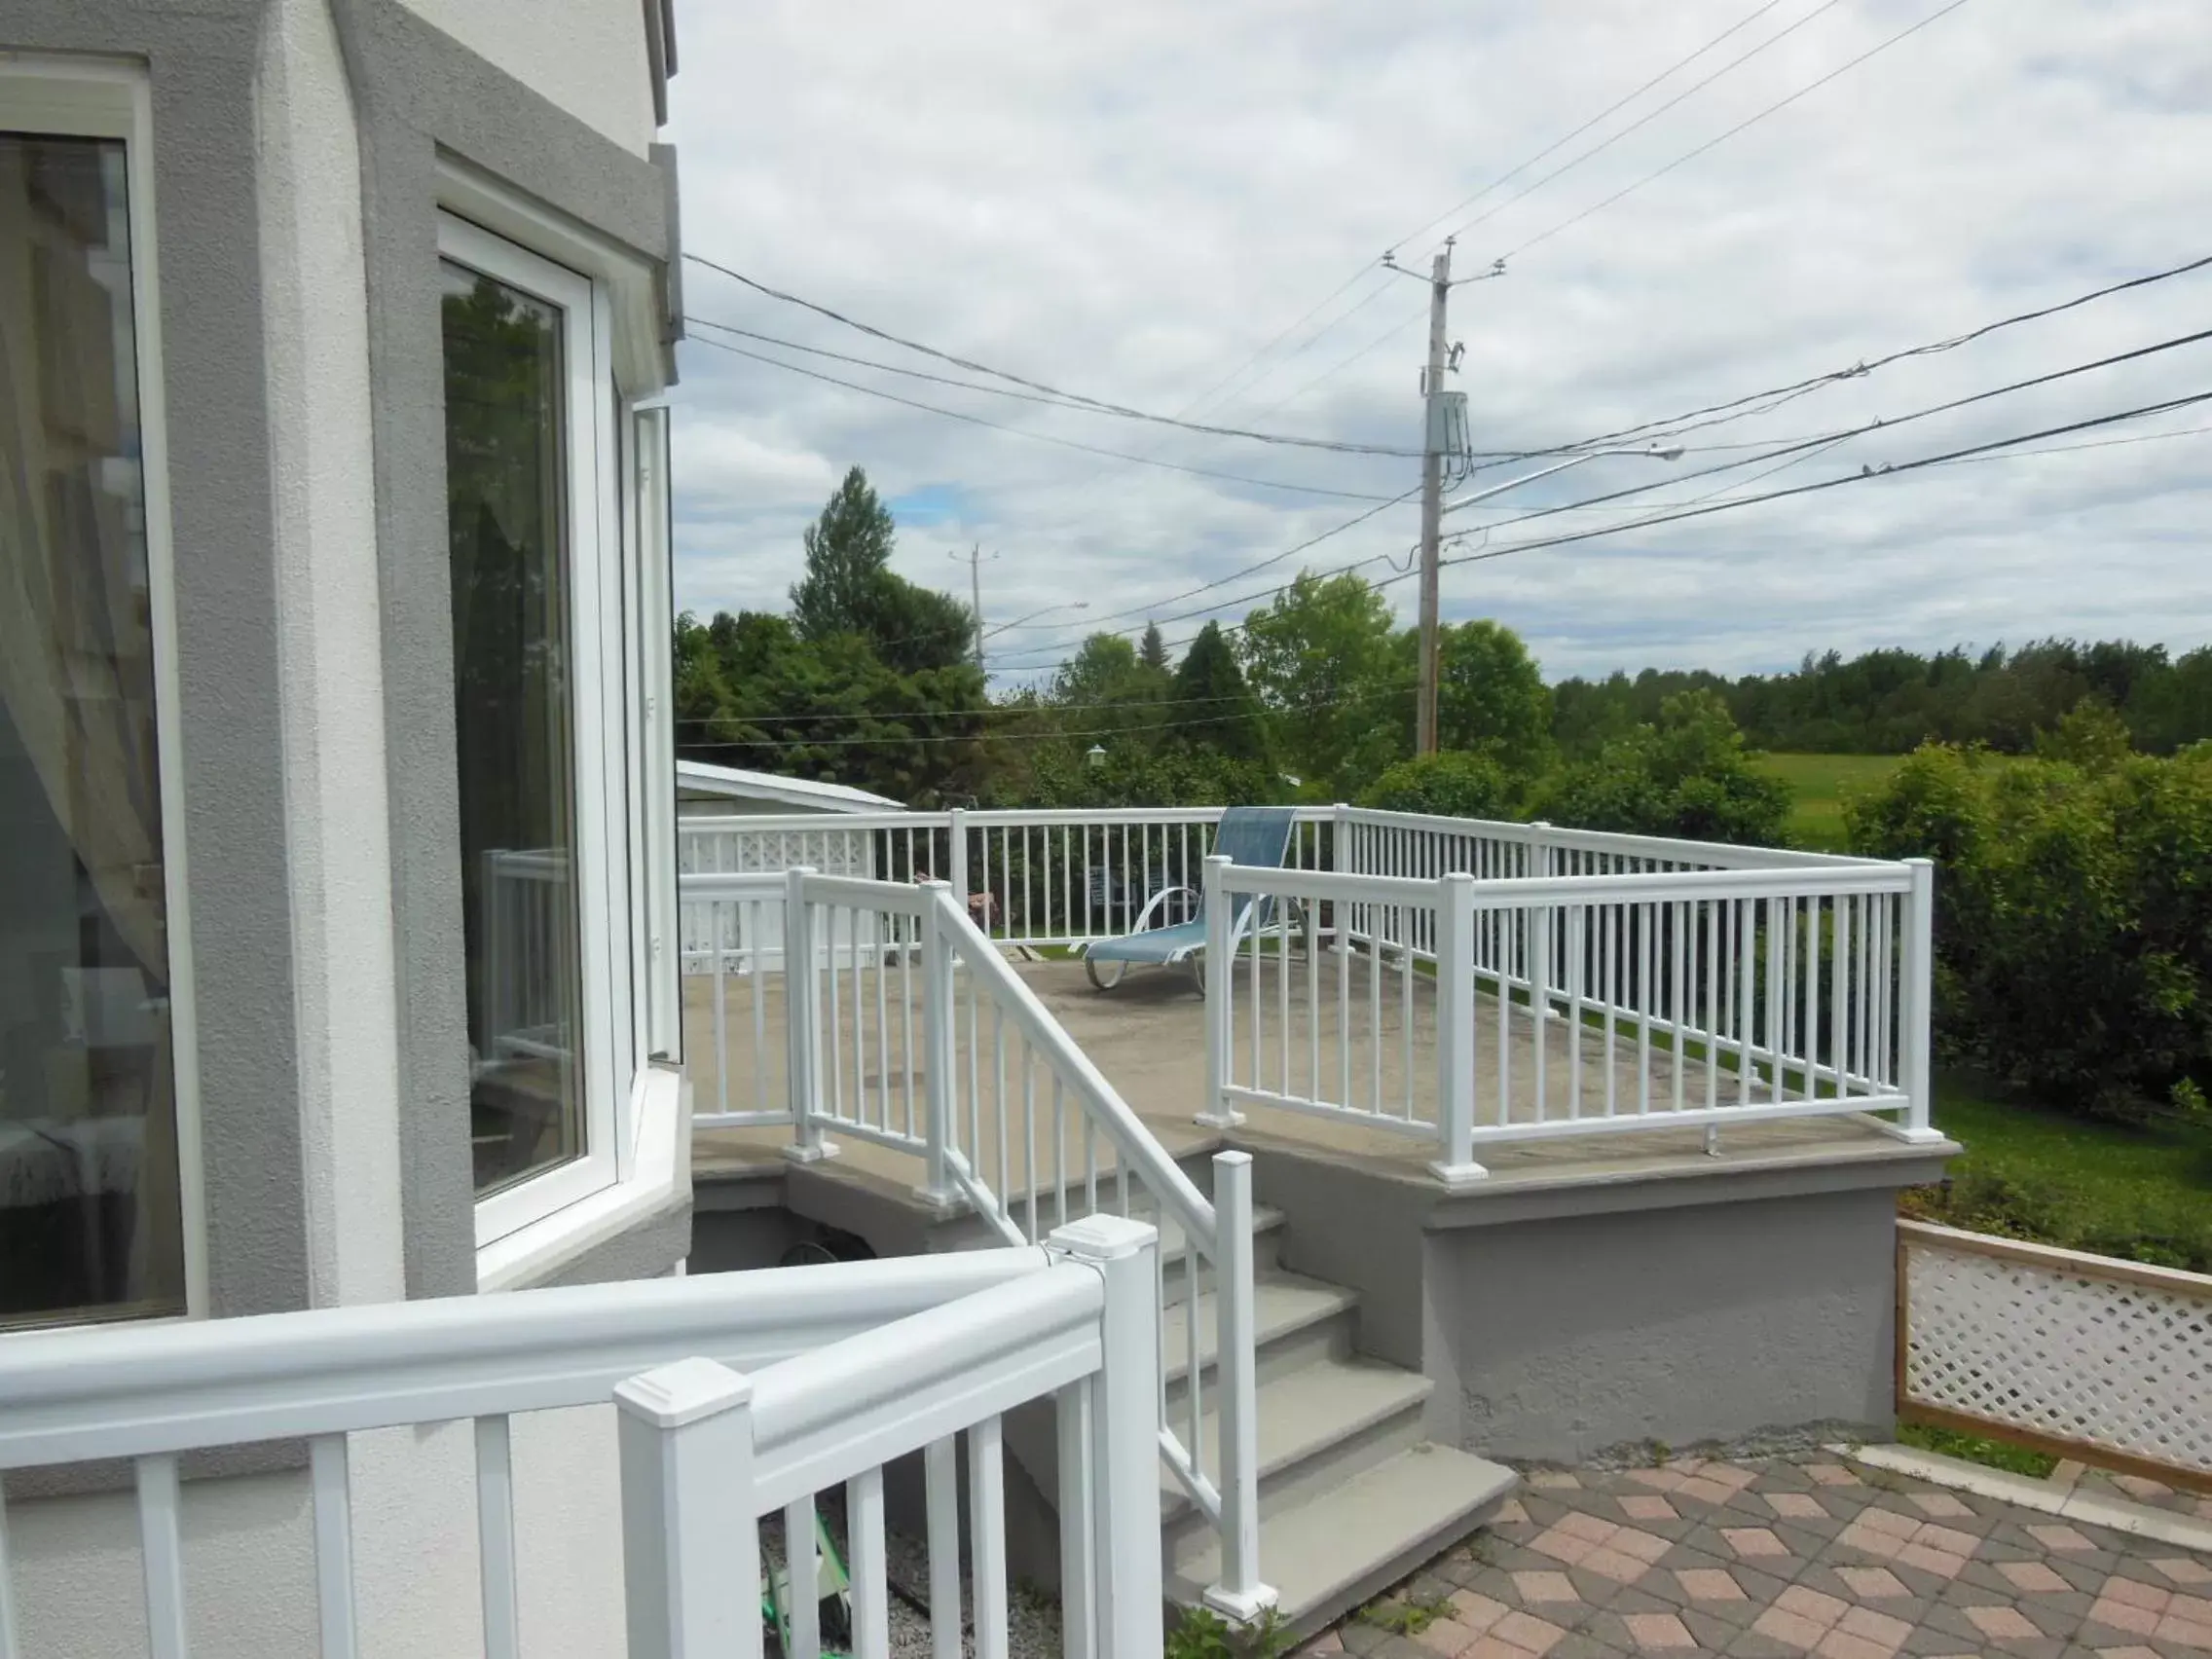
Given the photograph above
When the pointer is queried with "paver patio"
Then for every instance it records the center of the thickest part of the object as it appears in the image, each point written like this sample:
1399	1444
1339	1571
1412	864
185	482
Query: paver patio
1781	1558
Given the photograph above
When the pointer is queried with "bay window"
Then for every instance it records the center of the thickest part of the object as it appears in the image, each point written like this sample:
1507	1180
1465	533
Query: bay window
94	1131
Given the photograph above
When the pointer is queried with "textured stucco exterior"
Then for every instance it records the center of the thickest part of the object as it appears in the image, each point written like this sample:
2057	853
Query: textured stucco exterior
295	148
1552	1338
588	56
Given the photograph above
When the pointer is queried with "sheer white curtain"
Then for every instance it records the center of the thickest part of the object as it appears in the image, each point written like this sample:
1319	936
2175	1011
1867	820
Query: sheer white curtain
86	927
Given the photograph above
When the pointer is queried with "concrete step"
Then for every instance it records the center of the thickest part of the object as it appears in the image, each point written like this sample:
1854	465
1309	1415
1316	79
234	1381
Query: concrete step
1296	1321
1345	1545
1316	1425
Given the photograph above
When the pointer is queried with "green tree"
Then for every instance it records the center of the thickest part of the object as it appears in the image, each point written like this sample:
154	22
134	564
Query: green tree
1320	655
1686	775
1213	708
850	588
1153	650
1447	785
1491	699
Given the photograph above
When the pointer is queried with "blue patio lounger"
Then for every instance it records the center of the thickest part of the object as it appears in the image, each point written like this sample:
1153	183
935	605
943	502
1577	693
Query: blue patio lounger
1249	835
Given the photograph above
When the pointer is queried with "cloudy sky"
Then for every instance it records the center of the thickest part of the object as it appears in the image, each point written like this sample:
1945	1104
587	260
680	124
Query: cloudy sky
1137	202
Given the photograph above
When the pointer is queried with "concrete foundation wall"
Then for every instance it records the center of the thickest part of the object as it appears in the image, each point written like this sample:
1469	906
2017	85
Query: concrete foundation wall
1552	1338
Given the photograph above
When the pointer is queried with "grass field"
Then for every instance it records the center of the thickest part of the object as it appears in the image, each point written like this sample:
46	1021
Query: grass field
1820	781
2144	1194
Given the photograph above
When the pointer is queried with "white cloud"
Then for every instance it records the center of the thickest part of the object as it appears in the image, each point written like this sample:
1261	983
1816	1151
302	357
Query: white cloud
1129	201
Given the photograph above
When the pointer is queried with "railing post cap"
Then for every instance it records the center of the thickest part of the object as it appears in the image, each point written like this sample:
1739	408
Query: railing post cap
1232	1157
683	1392
1102	1237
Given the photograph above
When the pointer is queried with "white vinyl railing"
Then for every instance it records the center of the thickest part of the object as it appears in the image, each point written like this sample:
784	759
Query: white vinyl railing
709	1451
890	1019
1466	1011
852	1364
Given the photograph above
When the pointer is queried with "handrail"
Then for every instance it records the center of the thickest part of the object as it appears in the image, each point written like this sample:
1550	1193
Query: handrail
1515	892
1122	1126
120	1392
1726	854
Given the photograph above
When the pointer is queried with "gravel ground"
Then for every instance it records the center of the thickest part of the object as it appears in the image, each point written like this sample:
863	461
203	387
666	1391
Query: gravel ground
1033	1620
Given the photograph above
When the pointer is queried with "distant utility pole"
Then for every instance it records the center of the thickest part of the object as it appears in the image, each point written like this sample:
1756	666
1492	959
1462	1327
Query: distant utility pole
974	558
1440	436
1431	498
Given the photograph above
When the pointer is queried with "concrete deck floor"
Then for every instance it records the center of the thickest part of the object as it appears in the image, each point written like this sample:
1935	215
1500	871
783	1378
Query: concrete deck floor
1147	1037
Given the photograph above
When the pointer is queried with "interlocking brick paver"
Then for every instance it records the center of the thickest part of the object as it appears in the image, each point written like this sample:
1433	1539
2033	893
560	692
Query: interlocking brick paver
1873	1583
1555	1480
1658	1631
1781	1559
1709	1584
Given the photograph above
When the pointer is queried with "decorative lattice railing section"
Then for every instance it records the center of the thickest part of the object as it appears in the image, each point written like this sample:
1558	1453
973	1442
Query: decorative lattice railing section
2077	1354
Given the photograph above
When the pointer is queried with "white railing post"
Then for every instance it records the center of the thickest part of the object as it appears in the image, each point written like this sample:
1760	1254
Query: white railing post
1125	1438
803	1046
690	1544
940	1046
1916	970
1340	858
1540	927
1456	1031
1240	1593
1220	997
956	855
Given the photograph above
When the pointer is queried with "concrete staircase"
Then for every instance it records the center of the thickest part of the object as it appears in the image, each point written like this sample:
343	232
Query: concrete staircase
1352	1496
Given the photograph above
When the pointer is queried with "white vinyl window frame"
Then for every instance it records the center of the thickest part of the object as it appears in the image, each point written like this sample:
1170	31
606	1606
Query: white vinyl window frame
639	1160
589	561
81	97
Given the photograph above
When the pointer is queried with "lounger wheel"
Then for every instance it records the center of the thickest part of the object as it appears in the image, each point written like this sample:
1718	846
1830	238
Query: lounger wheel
1109	977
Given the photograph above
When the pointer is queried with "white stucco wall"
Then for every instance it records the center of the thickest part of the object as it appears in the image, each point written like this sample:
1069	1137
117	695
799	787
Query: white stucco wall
248	1545
586	56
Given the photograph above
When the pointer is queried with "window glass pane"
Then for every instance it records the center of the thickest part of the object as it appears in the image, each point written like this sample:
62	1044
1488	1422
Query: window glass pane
90	1223
514	664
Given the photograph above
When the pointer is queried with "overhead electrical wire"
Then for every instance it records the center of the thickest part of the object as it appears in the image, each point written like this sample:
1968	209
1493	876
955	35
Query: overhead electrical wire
1044	393
1644	120
1046	437
1503	178
1799	450
1751	121
1673	426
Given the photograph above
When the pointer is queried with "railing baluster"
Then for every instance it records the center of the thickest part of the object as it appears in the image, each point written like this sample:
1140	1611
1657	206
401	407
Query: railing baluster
1712	983
987	1543
871	1584
495	1538
1839	1009
333	1547
722	1017
1746	1069
803	1589
163	1549
940	1474
1079	1498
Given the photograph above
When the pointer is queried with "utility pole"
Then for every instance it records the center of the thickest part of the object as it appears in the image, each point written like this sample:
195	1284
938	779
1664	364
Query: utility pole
976	592
1431	498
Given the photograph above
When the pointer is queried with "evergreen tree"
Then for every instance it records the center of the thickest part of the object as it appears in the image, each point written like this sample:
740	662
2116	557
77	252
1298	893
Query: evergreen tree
1152	649
848	554
1213	708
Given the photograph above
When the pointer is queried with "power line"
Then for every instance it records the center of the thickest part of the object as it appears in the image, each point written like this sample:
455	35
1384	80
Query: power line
1690	510
1040	390
1858	477
1674	424
1751	121
1505	177
1044	437
1833	438
1647	118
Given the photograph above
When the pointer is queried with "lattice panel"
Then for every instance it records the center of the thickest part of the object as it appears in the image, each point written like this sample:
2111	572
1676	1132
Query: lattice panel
2125	1367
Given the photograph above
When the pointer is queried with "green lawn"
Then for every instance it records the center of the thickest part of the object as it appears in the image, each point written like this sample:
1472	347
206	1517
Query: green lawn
2030	1172
1820	781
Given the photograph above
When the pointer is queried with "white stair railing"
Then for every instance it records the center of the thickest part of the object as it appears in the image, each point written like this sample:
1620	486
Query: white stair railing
899	1024
709	1451
155	1394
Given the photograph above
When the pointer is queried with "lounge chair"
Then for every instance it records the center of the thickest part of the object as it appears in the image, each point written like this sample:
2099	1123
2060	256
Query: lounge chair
1250	835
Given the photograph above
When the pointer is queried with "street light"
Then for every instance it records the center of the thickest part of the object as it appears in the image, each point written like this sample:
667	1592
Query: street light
1561	467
